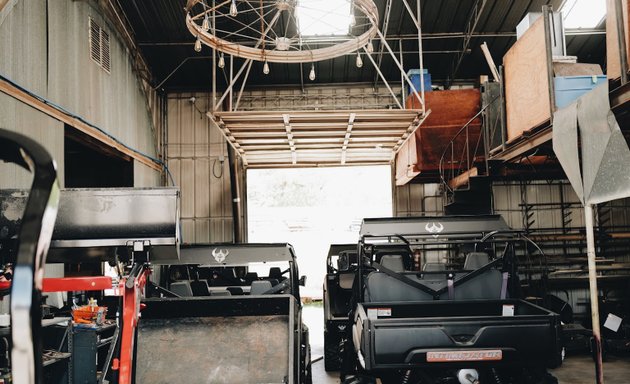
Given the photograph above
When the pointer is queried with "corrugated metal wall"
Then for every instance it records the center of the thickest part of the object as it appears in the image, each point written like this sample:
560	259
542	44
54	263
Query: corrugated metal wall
194	151
538	206
45	49
358	96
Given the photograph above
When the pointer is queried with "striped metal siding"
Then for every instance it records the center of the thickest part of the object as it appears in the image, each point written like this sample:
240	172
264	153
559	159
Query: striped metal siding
193	152
45	48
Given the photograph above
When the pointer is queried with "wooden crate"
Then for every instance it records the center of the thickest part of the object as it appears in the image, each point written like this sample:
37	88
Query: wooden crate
450	111
526	82
612	47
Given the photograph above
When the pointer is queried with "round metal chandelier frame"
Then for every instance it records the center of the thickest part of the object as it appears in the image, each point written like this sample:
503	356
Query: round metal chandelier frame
354	43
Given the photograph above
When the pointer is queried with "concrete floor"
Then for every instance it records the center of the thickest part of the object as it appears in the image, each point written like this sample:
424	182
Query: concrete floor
575	370
578	369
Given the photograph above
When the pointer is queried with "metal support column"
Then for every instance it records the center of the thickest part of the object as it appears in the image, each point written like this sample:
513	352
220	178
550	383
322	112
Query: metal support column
621	41
592	279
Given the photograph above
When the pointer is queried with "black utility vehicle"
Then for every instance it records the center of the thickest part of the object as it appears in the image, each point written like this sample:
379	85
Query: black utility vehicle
236	318
341	267
459	319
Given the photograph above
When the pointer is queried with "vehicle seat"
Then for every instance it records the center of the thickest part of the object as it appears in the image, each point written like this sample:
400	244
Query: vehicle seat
382	288
485	286
260	287
434	267
346	280
220	293
250	276
199	288
276	273
181	288
235	291
393	262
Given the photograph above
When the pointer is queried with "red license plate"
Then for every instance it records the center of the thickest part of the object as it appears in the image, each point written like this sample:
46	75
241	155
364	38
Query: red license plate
479	355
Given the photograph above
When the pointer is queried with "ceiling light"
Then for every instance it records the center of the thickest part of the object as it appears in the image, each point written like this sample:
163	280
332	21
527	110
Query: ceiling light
311	75
198	45
266	68
205	25
359	60
370	47
221	63
233	9
583	13
317	17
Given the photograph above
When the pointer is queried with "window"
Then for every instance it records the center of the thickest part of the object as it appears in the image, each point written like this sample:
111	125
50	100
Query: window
99	46
318	17
583	13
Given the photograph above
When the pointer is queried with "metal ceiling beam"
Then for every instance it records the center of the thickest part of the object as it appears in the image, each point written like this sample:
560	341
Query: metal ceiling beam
471	24
381	48
404	37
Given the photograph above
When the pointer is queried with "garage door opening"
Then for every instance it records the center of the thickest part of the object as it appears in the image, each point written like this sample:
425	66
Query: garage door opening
311	208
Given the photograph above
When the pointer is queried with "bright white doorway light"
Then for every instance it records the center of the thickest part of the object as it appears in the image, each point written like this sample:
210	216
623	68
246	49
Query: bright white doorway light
312	208
583	13
323	17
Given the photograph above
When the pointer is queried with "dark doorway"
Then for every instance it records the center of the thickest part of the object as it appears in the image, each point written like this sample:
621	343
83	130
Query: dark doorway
91	164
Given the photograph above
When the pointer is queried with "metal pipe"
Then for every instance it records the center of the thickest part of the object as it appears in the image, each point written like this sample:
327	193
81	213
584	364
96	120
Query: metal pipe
403	95
234	188
231	78
420	58
425	36
621	40
240	93
214	59
402	70
594	293
547	15
383	78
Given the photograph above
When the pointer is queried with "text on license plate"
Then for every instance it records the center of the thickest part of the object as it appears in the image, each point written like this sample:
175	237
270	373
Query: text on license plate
447	356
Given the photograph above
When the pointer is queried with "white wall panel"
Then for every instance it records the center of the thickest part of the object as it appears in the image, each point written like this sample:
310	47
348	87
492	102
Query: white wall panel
195	150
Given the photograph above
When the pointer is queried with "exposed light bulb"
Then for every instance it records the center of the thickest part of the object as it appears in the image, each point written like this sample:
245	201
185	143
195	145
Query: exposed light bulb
311	74
205	26
353	20
198	45
221	63
359	60
266	68
233	9
370	47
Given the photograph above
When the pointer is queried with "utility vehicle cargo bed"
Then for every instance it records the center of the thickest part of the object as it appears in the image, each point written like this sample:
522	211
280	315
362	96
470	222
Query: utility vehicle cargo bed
215	340
456	334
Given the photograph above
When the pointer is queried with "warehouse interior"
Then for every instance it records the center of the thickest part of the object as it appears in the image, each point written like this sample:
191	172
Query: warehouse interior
169	143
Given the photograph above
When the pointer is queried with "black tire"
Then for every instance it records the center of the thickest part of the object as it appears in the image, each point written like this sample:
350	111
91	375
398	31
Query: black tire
332	360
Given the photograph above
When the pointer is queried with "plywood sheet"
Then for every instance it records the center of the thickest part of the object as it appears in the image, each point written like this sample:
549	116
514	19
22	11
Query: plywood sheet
526	82
612	56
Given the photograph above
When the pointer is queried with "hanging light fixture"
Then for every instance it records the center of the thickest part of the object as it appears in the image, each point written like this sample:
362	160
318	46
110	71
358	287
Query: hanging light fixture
205	25
370	47
233	9
311	74
266	67
221	63
198	45
359	61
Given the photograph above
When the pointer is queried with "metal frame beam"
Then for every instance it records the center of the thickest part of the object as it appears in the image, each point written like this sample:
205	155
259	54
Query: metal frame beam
471	24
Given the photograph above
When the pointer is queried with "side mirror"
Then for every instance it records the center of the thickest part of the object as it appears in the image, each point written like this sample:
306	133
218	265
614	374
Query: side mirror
302	281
